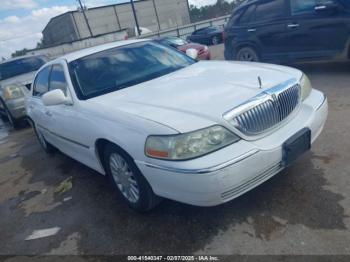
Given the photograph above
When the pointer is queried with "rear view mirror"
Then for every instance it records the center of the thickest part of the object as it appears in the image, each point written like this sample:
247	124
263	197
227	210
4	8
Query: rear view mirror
54	97
193	53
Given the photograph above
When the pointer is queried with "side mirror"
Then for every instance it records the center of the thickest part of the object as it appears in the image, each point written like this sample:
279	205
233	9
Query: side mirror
54	98
193	53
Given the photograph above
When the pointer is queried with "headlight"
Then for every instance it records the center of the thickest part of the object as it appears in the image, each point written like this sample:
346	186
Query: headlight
189	145
13	92
305	87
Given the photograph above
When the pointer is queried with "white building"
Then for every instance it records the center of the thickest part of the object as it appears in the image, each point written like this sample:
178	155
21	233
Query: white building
151	14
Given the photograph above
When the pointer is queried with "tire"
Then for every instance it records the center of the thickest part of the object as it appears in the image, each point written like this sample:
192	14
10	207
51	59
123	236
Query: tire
247	54
127	180
15	123
215	40
46	146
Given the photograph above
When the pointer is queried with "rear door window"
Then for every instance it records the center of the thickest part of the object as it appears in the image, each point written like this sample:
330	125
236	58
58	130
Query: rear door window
300	7
41	84
270	10
58	79
248	15
234	19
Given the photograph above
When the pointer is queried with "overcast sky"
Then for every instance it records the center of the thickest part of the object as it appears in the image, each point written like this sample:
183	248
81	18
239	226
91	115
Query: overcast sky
21	21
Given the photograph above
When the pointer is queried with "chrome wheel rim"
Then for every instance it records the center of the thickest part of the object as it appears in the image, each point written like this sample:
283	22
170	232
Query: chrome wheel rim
247	56
124	178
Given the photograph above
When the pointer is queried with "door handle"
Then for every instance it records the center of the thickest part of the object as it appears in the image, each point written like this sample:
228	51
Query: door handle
251	30
320	7
48	113
293	25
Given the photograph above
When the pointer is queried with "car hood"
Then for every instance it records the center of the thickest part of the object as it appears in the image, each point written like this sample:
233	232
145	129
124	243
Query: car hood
24	79
197	96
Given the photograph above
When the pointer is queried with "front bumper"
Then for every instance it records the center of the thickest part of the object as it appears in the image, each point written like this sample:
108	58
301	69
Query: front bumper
230	172
16	107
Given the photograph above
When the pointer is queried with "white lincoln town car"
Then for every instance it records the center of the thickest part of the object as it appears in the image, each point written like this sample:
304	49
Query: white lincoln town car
160	124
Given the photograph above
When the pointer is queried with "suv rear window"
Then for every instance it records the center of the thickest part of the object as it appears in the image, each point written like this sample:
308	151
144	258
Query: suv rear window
271	9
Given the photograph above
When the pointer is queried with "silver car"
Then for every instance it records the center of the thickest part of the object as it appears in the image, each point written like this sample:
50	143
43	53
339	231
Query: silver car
16	77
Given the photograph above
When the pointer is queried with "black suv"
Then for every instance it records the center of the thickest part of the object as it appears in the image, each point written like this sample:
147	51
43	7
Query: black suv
289	30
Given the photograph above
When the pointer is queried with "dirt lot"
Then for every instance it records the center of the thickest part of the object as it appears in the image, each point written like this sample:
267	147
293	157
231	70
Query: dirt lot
303	210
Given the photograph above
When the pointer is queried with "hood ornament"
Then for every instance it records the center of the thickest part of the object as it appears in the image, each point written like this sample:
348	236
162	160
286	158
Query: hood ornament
260	82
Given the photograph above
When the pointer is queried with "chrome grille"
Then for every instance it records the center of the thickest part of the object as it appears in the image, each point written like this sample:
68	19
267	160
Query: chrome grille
269	113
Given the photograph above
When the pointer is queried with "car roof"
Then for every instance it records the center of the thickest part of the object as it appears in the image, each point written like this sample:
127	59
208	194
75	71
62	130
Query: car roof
247	3
92	50
19	58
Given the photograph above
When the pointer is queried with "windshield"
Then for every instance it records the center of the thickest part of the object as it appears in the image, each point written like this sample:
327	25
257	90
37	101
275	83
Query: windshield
20	66
174	41
125	66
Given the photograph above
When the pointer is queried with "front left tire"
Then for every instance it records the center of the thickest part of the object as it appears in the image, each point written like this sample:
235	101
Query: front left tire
247	54
127	180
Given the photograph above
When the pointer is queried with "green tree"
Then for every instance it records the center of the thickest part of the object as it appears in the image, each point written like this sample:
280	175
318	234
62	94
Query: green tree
220	8
19	52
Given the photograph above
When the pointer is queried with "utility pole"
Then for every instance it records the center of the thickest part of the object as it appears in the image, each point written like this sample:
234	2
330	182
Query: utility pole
135	16
85	17
156	12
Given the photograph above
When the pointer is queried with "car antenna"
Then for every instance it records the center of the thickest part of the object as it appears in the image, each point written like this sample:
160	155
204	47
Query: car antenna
260	82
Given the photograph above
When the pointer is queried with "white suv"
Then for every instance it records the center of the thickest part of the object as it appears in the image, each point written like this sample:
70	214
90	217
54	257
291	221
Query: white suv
16	77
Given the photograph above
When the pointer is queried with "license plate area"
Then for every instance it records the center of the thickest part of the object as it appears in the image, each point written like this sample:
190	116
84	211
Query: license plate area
297	145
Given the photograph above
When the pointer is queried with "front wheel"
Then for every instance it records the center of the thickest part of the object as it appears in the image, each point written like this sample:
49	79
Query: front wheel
215	40
247	54
128	180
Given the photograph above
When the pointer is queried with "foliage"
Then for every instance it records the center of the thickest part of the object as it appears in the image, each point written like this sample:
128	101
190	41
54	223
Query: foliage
221	8
19	52
24	51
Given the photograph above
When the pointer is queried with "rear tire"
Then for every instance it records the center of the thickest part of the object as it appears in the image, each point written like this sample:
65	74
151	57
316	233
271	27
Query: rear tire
127	180
247	54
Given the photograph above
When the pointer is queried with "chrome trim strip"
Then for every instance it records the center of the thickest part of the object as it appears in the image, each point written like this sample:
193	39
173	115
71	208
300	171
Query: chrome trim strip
259	99
64	138
253	182
324	101
203	170
239	113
